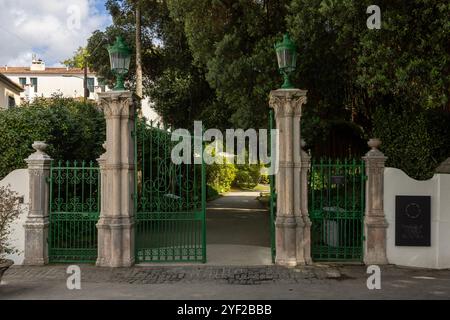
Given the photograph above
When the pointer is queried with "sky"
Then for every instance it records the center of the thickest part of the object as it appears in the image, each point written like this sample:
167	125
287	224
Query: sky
51	29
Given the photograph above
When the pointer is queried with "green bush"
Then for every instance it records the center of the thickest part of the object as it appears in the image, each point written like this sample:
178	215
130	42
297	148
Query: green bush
74	131
211	193
220	176
415	142
248	176
264	177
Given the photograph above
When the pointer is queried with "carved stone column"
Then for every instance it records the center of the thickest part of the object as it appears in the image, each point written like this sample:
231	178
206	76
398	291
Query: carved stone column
306	241
116	223
37	222
289	224
375	223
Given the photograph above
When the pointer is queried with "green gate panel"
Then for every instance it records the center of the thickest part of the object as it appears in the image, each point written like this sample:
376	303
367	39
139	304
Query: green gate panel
74	210
169	200
336	209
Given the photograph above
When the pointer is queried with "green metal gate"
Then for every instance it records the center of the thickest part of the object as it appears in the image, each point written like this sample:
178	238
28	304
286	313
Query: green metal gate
169	200
74	209
336	208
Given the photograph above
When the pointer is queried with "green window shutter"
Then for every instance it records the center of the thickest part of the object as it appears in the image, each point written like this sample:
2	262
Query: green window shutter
34	83
90	84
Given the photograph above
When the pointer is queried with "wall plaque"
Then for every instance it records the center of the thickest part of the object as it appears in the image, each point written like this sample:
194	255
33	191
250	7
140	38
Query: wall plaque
413	221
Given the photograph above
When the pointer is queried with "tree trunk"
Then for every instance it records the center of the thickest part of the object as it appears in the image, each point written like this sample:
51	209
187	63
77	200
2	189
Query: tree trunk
139	88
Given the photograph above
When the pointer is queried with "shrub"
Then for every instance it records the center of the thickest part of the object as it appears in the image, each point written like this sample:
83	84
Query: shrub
264	177
9	211
248	176
74	131
211	193
220	176
415	142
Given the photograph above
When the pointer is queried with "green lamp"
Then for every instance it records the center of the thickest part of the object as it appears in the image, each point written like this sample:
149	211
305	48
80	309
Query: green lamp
287	59
119	57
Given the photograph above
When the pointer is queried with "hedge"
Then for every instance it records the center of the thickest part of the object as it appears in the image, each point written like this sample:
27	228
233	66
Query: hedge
74	131
415	142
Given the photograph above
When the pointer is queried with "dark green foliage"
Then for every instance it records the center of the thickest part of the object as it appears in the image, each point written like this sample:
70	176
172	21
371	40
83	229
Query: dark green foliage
220	176
248	176
211	193
264	179
73	130
414	142
378	81
214	61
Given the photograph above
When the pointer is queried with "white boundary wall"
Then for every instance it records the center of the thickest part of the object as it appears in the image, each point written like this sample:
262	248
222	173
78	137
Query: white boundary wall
396	182
18	181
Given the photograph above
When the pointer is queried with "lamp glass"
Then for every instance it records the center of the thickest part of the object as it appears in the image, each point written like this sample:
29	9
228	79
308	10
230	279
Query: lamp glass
286	51
119	58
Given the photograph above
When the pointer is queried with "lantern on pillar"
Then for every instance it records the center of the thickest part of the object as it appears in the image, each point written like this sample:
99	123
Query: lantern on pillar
119	57
287	59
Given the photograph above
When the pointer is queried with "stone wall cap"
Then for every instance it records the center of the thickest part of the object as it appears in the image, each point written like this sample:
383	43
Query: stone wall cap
288	92
115	94
444	167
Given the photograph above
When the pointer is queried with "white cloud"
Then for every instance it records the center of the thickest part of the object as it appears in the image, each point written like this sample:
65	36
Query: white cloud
53	29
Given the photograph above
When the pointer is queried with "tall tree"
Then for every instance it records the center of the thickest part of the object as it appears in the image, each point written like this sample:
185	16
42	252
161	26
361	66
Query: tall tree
139	81
78	60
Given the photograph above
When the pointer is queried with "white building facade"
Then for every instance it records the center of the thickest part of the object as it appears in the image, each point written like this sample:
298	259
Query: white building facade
38	80
10	93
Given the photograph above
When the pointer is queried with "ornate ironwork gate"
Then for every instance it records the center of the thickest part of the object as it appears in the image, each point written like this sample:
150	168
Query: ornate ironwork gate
169	199
336	209
74	211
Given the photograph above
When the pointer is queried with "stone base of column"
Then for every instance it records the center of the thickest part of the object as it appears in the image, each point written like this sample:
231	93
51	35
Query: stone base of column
299	230
115	242
36	245
286	253
307	241
375	242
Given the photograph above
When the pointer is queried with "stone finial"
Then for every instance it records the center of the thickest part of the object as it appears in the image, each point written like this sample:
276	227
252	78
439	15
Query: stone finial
39	146
302	143
374	144
39	154
305	155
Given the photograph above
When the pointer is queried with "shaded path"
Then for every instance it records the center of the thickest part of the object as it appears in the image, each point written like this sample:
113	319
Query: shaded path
238	230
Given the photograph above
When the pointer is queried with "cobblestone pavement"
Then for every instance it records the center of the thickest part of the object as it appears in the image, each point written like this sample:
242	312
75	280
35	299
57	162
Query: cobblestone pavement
173	274
230	282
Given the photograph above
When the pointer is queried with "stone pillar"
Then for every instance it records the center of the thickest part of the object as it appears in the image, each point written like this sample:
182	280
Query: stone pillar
375	223
37	222
306	243
116	223
289	224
